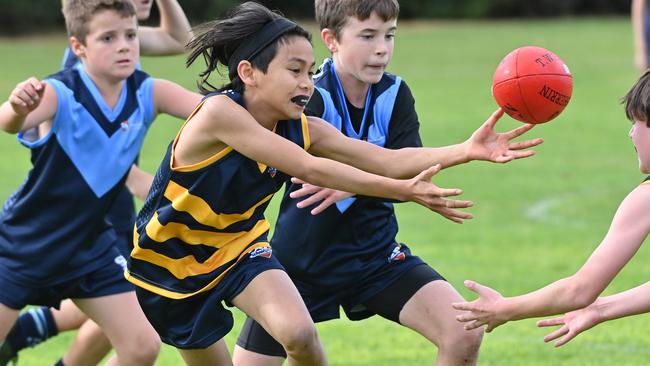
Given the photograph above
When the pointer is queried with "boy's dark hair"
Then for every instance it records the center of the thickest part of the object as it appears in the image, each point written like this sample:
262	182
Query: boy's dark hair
333	14
637	100
218	40
78	13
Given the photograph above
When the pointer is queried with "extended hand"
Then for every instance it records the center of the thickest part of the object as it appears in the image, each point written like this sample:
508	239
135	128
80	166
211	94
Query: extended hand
431	196
486	144
326	196
26	96
482	311
572	324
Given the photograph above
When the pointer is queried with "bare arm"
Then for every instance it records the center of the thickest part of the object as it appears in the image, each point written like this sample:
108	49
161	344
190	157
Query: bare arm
484	144
171	36
171	98
631	302
31	103
139	182
638	27
627	232
221	124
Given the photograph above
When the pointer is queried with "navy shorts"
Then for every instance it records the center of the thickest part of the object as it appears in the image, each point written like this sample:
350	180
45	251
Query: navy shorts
107	280
324	303
199	321
402	278
124	242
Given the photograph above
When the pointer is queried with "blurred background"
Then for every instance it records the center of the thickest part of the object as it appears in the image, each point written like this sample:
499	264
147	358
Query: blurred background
19	17
536	220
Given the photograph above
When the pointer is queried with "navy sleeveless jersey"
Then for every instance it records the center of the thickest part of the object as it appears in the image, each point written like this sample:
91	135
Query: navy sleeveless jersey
122	211
335	246
53	227
200	220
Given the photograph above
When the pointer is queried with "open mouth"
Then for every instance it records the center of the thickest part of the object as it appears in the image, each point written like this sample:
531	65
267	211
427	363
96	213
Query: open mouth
300	100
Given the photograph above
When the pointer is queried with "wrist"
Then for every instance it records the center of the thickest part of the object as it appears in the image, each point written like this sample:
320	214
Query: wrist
465	149
600	309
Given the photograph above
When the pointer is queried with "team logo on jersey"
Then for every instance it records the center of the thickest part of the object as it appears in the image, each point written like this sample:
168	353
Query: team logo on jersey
265	252
272	171
397	254
124	125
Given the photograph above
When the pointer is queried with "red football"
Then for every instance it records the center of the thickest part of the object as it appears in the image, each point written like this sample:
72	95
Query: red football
532	84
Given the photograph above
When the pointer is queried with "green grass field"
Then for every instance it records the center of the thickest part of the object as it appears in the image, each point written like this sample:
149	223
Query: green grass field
535	221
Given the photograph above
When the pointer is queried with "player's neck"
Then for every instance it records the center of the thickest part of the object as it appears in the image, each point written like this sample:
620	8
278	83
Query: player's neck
109	88
355	90
261	112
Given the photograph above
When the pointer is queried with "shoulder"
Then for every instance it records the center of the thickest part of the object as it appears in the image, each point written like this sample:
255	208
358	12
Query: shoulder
221	107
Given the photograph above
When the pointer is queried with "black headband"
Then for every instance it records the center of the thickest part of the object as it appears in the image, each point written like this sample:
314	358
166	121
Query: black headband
258	41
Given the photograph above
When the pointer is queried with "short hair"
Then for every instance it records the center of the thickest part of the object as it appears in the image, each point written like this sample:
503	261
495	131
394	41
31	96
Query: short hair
78	13
332	14
637	100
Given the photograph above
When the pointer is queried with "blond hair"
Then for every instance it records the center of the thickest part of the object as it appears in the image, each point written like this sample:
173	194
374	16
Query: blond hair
332	14
78	13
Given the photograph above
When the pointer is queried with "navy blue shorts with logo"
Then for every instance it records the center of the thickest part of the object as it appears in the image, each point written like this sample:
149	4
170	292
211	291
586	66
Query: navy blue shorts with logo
107	280
200	321
384	292
323	303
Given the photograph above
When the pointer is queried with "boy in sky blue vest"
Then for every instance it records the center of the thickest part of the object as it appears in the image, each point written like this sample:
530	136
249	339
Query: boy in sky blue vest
347	255
54	240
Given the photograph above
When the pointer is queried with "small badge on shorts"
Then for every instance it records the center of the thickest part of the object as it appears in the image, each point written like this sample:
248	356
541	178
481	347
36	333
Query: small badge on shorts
120	261
265	252
397	254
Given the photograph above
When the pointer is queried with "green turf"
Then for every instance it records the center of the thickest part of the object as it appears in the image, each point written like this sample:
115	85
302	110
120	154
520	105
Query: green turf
536	220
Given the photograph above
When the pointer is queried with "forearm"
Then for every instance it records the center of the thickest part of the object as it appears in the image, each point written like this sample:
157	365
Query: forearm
638	14
174	22
410	161
332	174
10	121
631	302
558	297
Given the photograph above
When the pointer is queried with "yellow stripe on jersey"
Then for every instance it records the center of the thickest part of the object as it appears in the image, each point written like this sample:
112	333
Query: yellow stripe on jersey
182	200
173	230
188	266
305	131
177	295
646	182
201	164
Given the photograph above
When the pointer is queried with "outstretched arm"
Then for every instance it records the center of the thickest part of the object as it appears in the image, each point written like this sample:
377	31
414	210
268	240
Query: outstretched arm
221	124
171	36
627	232
638	27
484	144
631	302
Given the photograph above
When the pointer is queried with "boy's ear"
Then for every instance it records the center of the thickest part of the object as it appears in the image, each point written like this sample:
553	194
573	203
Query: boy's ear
329	38
77	47
246	73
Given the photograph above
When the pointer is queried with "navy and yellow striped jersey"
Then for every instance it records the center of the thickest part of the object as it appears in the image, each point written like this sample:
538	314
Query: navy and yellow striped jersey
53	227
200	220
